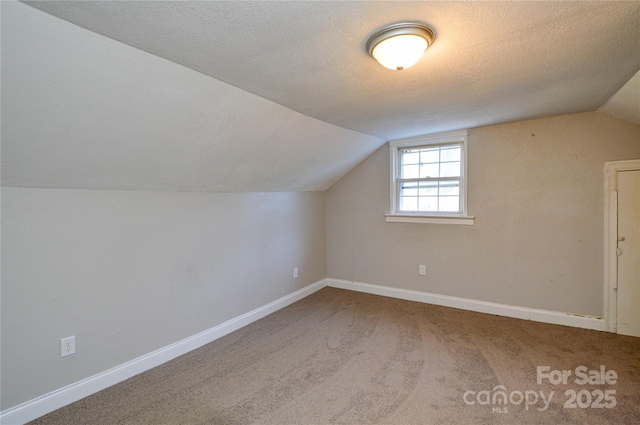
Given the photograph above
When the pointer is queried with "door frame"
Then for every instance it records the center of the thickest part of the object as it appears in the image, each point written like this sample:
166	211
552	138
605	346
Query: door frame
611	170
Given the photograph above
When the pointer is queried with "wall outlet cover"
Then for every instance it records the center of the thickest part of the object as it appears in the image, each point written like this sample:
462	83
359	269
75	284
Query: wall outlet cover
67	346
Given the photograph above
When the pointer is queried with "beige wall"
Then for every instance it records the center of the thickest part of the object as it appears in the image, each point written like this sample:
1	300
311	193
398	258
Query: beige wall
536	189
128	273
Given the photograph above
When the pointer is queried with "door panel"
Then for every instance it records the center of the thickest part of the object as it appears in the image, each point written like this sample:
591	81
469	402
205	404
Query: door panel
628	304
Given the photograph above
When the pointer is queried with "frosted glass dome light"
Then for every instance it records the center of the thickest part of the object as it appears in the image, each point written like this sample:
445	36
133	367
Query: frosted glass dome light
400	46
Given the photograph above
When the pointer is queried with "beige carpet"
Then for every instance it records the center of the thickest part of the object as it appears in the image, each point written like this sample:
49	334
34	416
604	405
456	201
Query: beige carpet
340	357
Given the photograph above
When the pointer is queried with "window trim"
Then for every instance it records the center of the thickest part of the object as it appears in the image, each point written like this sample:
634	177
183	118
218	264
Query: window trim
395	146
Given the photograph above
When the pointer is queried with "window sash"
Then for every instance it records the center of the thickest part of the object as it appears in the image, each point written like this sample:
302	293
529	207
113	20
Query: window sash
441	208
422	159
430	194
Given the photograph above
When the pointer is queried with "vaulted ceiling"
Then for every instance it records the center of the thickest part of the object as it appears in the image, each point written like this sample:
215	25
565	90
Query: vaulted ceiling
491	62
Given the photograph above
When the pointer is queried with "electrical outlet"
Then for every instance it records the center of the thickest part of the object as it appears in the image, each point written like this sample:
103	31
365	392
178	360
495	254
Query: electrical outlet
295	273
67	346
422	269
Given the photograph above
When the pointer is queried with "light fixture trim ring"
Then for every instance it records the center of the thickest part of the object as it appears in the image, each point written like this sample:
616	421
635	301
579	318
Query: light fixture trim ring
403	28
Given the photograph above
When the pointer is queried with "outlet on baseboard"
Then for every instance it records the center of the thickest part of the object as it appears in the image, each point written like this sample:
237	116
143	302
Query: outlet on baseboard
67	346
295	273
422	269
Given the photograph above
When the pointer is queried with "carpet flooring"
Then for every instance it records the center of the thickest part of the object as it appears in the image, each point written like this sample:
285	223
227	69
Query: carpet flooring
342	357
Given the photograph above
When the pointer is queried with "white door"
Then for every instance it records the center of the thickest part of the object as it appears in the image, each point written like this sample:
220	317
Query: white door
628	296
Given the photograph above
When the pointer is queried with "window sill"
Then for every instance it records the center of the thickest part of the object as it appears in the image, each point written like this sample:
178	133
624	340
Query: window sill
433	219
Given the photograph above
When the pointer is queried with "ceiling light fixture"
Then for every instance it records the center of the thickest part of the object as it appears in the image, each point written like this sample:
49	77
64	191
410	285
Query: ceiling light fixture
400	46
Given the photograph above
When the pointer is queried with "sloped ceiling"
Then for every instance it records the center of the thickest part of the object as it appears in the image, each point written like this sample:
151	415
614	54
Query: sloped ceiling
312	103
82	111
625	103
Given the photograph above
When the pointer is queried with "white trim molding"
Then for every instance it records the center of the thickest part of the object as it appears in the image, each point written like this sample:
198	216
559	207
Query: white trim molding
61	397
517	312
454	219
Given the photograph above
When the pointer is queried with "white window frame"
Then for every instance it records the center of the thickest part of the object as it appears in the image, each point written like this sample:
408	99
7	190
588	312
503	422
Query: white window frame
396	146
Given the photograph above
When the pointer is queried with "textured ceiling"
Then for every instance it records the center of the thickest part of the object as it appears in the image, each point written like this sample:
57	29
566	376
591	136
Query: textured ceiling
295	102
491	62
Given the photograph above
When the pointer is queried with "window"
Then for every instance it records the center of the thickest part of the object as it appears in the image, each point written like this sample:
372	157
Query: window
428	179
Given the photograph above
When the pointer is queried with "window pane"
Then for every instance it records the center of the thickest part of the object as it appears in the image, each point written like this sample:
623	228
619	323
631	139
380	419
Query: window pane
408	203
450	188
429	170
451	153
411	156
428	203
430	155
409	189
410	172
450	169
449	204
428	188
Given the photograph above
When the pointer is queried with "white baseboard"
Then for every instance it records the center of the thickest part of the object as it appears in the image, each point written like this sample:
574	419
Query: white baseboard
553	317
54	400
